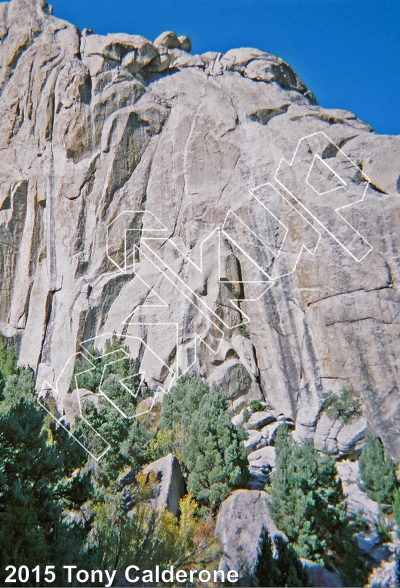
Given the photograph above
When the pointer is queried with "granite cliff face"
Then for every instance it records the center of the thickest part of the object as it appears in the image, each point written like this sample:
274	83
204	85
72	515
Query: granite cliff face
125	205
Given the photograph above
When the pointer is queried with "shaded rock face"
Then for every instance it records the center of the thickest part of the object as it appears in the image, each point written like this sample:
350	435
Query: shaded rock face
320	576
239	526
168	489
109	140
171	485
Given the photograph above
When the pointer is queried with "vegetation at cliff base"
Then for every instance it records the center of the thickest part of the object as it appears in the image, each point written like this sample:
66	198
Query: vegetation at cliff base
308	505
211	447
379	479
147	536
378	471
396	510
282	568
128	439
40	480
57	505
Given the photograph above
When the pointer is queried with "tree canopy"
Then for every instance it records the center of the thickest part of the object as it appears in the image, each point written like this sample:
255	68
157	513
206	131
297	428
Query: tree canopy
282	568
308	506
211	447
378	470
39	481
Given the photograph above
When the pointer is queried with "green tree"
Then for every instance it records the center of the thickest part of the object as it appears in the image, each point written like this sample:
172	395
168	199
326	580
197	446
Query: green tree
308	505
129	439
8	358
282	569
378	470
211	447
38	484
183	401
115	361
396	509
214	455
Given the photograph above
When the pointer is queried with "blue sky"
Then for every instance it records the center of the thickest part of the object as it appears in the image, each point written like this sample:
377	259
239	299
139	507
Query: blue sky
346	51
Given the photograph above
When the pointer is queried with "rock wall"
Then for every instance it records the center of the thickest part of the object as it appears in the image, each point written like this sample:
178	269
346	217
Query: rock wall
144	191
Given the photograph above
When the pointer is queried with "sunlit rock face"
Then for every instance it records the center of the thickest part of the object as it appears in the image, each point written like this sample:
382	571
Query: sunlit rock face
143	191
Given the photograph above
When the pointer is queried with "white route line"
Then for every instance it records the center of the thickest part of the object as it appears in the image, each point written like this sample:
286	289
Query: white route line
281	251
150	223
367	182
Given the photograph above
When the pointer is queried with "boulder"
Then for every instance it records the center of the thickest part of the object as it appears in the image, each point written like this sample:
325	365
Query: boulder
357	500
338	436
246	352
185	43
239	524
171	486
233	379
168	39
159	64
259	419
269	431
182	59
386	574
238	419
239	404
263	459
367	542
350	438
258	479
114	47
326	433
255	440
383	552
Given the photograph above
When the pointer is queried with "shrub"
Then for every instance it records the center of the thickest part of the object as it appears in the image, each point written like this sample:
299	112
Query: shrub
347	405
383	528
256	406
8	358
151	536
378	470
244	331
163	444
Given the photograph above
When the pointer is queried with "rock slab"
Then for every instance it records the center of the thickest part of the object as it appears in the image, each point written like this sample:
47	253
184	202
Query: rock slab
104	136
